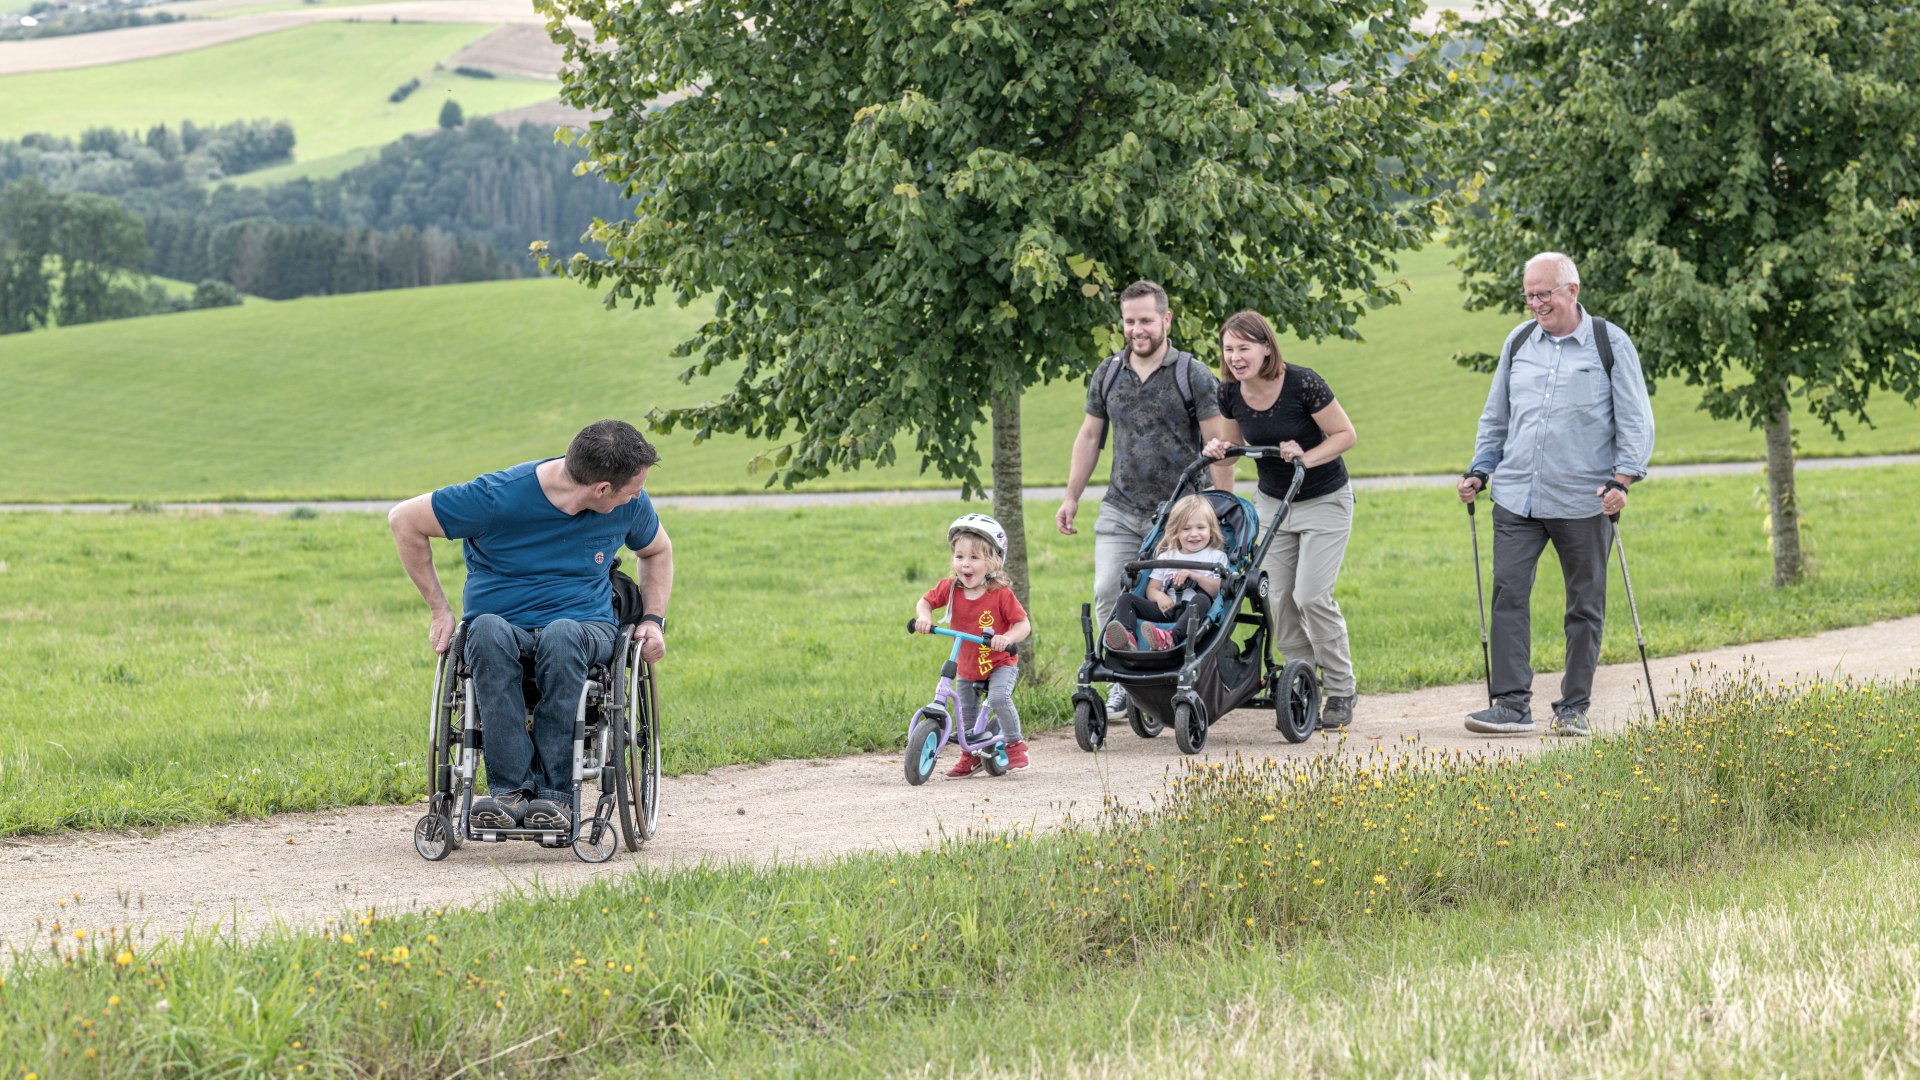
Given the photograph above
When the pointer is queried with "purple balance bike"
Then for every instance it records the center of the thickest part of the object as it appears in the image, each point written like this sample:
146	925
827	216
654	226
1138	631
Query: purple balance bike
938	721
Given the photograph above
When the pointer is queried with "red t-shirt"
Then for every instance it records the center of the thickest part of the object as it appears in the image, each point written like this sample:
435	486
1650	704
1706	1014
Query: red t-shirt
995	612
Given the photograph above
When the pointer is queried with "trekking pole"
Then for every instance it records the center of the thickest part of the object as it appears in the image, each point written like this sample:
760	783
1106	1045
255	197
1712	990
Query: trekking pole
1480	589
1621	547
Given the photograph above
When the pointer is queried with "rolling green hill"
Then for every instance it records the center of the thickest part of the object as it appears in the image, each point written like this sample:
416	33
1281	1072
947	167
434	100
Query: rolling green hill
331	80
389	394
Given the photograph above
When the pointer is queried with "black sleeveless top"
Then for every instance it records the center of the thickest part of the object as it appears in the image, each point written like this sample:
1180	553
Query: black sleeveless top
1302	393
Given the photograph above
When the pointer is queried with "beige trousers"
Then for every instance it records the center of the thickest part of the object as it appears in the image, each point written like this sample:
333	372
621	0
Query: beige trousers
1302	565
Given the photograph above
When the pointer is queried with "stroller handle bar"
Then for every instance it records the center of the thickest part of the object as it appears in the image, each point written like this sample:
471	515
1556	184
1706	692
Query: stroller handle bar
1256	452
1012	650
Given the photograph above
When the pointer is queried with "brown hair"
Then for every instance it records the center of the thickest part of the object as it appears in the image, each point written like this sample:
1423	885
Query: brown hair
1252	326
1146	288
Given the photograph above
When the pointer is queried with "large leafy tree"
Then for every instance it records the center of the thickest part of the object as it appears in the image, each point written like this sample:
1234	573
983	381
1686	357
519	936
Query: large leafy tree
1740	183
904	212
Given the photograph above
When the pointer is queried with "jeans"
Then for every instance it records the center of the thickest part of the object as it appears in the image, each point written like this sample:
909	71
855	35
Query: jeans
540	765
1117	534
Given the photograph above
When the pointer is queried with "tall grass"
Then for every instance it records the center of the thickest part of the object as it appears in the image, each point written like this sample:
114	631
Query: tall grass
157	669
725	967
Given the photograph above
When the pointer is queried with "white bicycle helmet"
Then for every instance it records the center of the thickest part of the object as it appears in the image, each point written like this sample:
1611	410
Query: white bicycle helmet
982	526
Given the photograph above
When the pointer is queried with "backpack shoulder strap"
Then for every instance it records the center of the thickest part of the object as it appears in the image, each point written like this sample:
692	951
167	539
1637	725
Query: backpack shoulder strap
1106	375
1513	346
1183	378
1603	341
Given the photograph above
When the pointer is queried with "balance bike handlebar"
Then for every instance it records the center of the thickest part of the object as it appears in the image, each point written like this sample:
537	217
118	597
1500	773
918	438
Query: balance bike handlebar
1012	650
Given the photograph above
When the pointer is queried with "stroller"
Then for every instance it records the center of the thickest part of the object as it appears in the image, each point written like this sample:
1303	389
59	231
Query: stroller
1209	674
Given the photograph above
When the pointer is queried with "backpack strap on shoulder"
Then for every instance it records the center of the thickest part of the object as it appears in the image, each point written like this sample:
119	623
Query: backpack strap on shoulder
1513	346
1106	375
1603	341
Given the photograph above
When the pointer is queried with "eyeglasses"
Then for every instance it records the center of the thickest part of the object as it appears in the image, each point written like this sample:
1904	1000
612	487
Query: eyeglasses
1542	297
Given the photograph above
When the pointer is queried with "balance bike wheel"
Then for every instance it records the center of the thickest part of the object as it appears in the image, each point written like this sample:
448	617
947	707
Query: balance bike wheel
923	749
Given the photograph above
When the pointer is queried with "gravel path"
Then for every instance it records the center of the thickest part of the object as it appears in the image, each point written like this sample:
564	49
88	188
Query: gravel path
300	869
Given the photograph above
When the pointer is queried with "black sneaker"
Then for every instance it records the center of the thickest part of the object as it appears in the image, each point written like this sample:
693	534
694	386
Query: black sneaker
498	811
1500	720
546	815
1570	723
1336	712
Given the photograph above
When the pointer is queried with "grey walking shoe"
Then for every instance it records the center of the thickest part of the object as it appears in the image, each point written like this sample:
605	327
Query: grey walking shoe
498	811
1500	720
1571	723
1117	702
1337	712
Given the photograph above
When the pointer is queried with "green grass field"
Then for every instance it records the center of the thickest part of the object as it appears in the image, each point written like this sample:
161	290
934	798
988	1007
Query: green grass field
390	394
331	80
195	668
1638	905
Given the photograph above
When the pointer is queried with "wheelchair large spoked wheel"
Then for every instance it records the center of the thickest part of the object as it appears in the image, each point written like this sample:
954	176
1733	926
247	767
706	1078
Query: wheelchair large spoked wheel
1296	701
638	785
443	743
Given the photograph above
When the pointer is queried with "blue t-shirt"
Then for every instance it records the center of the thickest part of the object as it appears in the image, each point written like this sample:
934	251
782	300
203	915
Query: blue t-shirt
528	562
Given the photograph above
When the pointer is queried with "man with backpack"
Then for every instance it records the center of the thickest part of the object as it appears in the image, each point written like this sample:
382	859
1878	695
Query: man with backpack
1567	429
1161	406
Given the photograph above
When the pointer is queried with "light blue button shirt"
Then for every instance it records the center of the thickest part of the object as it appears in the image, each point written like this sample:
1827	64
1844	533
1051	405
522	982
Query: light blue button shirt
1555	428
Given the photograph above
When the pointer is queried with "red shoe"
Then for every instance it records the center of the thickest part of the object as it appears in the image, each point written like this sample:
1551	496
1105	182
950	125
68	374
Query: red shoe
1016	756
966	766
1162	639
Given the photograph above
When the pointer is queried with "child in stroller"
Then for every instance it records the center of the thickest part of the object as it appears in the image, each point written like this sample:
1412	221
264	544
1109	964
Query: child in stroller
1192	535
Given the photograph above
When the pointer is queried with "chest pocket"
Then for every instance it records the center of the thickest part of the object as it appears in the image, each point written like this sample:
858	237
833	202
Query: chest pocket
1585	385
599	552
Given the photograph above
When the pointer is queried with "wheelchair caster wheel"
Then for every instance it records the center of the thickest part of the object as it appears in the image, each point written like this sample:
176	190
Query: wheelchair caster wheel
433	837
596	840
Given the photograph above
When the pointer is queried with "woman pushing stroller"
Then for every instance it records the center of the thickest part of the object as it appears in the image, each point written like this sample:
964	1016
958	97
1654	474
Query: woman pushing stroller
1270	402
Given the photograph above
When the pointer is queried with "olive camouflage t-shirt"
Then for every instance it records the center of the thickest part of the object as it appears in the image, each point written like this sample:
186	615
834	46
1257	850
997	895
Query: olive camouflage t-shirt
1147	427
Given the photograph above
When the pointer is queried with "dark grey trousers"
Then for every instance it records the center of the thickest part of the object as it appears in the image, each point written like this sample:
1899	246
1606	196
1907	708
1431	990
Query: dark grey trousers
1582	545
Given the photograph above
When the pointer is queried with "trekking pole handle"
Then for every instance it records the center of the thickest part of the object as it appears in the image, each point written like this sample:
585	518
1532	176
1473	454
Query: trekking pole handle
1012	650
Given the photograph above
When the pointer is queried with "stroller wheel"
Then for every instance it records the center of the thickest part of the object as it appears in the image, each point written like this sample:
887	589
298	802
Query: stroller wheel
1144	724
1089	724
1189	727
1296	701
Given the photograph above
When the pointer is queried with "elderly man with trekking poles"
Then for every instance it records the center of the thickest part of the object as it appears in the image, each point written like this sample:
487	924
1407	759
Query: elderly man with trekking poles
1566	431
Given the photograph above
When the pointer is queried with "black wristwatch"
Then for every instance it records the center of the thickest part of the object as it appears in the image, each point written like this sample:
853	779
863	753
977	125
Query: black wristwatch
1614	485
657	620
1476	474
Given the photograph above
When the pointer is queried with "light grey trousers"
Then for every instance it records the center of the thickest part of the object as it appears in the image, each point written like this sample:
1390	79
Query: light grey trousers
1582	545
1302	564
999	694
1117	534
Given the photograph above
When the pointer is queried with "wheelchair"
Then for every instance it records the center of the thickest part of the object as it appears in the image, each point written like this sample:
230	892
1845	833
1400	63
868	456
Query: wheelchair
616	753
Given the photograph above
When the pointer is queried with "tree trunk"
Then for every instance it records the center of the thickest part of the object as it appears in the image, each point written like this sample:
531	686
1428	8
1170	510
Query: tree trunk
1008	499
1782	503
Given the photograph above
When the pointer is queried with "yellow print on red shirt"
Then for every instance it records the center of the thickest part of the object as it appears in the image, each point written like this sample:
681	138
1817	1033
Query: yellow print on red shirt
986	631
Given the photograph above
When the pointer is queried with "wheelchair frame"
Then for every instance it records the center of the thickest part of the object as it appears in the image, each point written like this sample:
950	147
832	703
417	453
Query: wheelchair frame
616	744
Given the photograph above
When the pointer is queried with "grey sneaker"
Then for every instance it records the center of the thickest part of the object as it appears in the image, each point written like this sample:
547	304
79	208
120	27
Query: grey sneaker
1500	720
1571	723
1336	712
546	814
1118	639
1117	702
498	811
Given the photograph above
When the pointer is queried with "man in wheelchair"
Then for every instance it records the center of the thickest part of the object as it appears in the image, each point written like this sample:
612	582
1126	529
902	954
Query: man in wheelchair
539	539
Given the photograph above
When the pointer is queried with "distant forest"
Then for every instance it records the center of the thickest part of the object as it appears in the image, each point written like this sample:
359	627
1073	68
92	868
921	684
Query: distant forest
457	205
